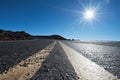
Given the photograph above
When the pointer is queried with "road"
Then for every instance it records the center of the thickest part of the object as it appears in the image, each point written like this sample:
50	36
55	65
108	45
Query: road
105	54
59	60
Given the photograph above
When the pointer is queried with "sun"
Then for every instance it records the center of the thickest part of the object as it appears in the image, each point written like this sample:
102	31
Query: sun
89	14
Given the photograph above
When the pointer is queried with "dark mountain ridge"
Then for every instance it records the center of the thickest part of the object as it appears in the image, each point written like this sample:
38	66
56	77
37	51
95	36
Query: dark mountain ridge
58	37
22	35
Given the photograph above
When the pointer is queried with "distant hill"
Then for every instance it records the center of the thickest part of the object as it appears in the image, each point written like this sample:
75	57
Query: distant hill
57	37
18	35
21	35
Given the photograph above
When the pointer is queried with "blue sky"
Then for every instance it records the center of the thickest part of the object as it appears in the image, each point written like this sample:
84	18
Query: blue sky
47	17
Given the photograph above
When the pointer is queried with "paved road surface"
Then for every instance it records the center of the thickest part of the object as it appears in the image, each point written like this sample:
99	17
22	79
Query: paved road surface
12	52
59	60
105	54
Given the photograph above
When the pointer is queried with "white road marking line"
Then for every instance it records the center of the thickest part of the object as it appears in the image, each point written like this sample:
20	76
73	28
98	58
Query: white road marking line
85	68
27	68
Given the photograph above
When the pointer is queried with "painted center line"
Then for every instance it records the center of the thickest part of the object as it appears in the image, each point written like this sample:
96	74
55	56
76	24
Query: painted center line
27	68
85	68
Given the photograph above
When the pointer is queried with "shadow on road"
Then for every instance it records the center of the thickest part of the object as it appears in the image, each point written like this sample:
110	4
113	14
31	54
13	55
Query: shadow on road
56	67
11	53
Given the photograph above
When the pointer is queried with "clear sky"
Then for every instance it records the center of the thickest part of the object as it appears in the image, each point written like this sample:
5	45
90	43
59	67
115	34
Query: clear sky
63	17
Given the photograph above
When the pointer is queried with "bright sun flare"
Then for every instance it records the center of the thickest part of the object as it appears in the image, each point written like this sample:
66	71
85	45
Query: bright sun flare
89	14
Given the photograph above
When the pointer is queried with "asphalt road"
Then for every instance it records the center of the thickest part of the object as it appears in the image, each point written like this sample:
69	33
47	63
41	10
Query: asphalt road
60	60
105	53
13	52
34	60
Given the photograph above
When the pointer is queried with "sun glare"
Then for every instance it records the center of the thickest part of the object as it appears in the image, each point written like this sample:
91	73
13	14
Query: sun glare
89	14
